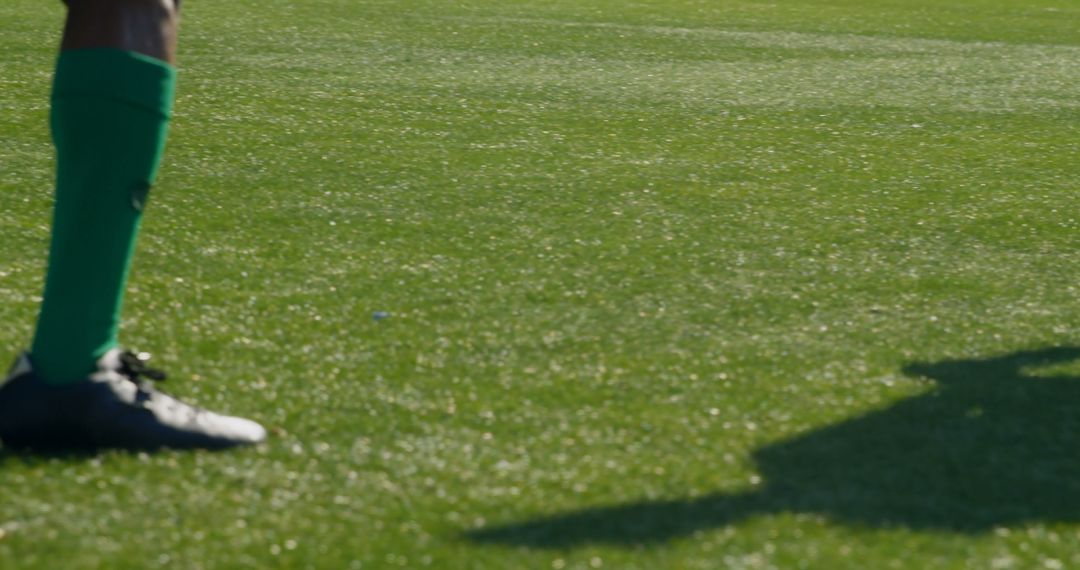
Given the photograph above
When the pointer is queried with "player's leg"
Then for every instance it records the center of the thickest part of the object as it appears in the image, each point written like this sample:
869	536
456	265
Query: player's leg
148	27
112	98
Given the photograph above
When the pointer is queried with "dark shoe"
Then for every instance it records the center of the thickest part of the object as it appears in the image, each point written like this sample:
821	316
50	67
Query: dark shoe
112	408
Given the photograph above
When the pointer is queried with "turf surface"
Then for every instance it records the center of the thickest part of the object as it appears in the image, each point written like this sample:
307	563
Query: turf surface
669	284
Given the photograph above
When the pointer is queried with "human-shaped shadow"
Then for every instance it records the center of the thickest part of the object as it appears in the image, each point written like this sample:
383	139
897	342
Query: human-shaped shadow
996	443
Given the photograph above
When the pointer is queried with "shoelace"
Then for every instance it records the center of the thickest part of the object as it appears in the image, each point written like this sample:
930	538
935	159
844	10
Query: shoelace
134	367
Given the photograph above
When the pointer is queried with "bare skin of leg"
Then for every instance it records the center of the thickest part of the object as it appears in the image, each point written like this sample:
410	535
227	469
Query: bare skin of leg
143	26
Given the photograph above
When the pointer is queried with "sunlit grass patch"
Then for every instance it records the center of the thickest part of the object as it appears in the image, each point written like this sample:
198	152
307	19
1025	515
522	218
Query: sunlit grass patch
675	284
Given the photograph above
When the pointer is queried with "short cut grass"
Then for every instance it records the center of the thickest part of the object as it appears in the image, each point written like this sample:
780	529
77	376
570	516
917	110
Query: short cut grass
667	284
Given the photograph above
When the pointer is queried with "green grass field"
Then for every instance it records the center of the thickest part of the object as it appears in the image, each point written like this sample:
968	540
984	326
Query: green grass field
672	284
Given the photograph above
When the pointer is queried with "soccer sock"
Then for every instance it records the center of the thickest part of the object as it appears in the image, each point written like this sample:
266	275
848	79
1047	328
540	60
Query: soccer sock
110	113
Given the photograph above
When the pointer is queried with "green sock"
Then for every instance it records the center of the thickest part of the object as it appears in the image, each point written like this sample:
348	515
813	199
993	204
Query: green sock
110	113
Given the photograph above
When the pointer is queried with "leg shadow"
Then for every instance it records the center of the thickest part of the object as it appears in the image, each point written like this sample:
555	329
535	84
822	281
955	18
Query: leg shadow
995	444
628	525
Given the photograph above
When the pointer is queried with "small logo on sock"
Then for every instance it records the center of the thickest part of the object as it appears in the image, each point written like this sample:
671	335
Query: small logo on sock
139	193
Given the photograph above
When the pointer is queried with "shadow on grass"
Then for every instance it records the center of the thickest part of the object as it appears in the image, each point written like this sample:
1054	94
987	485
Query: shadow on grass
35	456
992	445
